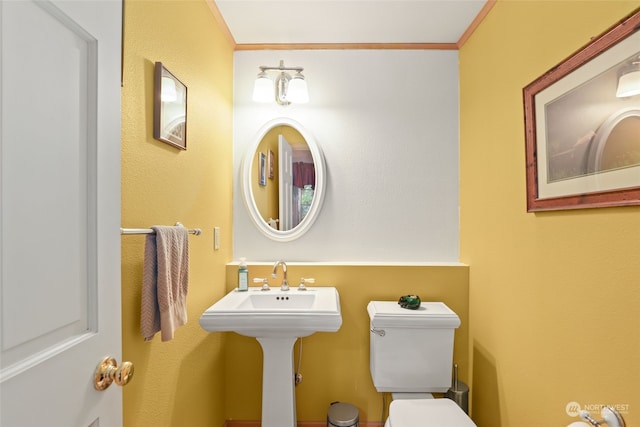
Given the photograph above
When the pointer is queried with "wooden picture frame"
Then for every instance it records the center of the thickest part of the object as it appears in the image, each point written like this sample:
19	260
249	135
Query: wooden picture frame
272	160
169	108
263	170
582	142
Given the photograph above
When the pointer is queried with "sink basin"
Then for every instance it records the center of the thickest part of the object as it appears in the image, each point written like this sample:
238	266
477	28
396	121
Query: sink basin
257	313
276	319
268	301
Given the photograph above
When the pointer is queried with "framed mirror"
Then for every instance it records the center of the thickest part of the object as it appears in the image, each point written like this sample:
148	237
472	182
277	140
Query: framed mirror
283	180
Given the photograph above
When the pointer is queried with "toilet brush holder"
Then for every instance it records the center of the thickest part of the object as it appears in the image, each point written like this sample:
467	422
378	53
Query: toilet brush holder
459	392
460	396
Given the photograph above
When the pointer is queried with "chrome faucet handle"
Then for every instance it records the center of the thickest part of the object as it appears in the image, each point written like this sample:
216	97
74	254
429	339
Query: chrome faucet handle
265	283
303	281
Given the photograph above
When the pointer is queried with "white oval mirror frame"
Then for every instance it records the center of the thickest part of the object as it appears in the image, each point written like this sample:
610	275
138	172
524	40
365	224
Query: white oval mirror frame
247	184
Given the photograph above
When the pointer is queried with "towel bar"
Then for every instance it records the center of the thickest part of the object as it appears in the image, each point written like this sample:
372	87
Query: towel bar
194	231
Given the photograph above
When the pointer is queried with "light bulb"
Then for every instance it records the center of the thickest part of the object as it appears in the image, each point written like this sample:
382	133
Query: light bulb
297	91
263	90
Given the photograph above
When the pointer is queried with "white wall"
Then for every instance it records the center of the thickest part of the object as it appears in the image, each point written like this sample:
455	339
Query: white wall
387	122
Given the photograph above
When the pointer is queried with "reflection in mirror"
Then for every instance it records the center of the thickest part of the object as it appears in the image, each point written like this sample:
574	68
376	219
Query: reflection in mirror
283	175
285	197
616	143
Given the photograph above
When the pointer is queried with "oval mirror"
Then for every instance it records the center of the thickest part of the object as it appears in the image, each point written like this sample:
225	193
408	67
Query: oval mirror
283	180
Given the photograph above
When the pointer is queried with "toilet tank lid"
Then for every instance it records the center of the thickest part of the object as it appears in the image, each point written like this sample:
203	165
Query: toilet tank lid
428	315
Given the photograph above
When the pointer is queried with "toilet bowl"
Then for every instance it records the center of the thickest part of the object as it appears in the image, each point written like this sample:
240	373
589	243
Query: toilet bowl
411	355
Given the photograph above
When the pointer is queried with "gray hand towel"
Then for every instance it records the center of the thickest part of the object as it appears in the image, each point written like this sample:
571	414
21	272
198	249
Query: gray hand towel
165	281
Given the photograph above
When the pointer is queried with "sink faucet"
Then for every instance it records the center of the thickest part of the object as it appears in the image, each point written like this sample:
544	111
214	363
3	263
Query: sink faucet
285	284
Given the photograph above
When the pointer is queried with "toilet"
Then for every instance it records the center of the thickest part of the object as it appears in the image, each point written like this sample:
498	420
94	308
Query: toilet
411	356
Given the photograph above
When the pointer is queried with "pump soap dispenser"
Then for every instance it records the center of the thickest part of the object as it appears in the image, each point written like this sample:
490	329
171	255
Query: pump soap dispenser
243	275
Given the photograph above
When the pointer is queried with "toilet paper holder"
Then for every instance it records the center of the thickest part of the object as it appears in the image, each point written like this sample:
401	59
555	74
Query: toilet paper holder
610	417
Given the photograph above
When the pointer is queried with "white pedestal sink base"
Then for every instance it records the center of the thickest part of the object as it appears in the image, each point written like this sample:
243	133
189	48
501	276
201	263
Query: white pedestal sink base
278	388
276	319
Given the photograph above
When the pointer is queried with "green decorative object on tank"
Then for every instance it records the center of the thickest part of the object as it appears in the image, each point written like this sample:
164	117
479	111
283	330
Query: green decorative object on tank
412	302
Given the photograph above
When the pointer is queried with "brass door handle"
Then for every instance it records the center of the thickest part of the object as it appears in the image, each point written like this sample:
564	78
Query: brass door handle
108	372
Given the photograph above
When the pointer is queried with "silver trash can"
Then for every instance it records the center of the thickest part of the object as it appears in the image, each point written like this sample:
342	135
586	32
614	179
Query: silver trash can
342	415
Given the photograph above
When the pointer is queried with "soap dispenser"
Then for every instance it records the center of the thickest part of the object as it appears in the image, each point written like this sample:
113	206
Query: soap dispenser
243	275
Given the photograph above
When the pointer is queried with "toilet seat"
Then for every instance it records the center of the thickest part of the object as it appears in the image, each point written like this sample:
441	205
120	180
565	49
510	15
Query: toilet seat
427	413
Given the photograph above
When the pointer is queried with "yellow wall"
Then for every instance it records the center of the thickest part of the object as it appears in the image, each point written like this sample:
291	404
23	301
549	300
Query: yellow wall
180	382
554	297
335	366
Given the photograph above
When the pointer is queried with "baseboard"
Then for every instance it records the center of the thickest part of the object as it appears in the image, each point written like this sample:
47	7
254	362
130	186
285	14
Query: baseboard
236	423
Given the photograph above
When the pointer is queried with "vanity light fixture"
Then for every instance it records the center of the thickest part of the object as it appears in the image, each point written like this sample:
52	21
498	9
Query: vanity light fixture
286	89
629	80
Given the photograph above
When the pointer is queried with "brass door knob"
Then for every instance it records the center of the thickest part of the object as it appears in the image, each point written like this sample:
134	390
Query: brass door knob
108	372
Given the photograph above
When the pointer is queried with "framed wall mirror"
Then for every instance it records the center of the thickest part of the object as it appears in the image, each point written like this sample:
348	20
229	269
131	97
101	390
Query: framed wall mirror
284	206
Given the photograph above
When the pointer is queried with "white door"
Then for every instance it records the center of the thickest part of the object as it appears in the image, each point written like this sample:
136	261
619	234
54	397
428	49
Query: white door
285	186
60	211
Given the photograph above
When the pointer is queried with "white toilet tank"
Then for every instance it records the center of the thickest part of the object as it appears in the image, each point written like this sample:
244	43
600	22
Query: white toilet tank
411	350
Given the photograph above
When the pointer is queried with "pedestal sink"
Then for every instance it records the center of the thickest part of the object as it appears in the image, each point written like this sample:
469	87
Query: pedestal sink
276	319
